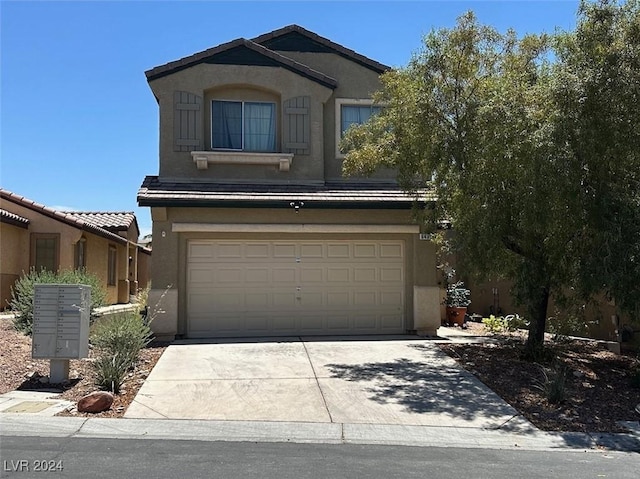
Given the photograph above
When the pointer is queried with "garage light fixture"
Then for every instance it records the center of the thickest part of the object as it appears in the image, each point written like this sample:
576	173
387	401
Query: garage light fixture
296	205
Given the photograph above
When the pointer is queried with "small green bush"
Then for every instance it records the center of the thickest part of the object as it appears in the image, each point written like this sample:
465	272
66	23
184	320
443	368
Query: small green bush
493	323
500	324
110	372
122	335
22	293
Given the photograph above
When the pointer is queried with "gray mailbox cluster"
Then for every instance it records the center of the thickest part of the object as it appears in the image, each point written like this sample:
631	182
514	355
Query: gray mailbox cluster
61	315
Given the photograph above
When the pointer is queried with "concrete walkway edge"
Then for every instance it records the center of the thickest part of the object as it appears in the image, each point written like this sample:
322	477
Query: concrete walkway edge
323	433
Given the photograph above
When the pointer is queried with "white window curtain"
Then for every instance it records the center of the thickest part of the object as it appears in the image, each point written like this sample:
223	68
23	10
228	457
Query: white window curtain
259	127
356	115
227	125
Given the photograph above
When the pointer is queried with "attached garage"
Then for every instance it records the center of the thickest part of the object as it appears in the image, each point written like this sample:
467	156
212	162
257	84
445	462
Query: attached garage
240	288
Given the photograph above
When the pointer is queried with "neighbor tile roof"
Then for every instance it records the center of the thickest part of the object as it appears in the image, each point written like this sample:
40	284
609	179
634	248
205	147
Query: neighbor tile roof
156	192
109	220
13	219
66	218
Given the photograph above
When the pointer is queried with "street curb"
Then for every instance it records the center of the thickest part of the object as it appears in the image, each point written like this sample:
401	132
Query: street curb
319	433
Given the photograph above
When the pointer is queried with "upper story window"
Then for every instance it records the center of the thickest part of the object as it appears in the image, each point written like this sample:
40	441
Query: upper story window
355	115
352	112
244	126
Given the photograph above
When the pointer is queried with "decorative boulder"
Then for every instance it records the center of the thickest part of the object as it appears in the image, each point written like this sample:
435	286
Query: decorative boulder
95	402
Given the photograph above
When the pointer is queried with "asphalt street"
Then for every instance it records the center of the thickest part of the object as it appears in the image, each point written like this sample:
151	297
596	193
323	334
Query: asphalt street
126	458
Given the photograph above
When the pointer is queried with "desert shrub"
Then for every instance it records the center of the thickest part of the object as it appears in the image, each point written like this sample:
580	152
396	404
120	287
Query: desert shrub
111	371
23	291
122	335
117	341
553	383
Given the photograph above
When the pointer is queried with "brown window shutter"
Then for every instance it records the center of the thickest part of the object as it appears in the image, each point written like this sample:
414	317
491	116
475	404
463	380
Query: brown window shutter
187	121
296	125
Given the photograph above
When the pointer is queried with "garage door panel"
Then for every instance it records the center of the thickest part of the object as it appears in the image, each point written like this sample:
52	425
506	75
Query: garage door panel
284	275
364	250
308	251
225	275
284	250
257	275
365	274
229	250
391	274
337	275
338	250
258	250
311	275
388	250
258	288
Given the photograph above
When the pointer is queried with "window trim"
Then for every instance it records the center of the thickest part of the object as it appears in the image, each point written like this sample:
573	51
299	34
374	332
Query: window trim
112	266
242	102
338	118
33	248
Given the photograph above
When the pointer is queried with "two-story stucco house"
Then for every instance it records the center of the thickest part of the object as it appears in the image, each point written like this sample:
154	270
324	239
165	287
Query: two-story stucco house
255	230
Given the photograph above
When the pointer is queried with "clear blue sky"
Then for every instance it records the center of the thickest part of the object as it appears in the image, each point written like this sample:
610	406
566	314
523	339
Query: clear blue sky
79	125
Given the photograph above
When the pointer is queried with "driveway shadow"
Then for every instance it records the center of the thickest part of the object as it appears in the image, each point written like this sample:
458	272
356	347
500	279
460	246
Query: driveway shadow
434	385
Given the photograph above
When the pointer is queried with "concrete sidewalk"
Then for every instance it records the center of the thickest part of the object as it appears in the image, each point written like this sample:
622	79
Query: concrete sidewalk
319	433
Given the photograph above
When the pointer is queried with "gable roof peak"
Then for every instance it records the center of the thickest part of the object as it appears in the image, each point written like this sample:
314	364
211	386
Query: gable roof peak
283	39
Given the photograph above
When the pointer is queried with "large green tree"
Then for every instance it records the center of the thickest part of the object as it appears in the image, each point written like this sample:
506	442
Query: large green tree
531	145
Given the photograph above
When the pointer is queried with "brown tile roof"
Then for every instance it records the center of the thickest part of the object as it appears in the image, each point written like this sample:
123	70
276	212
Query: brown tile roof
277	58
66	218
271	40
109	220
13	219
359	195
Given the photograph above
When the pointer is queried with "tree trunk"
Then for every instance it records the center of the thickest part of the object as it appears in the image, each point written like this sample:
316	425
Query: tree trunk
537	310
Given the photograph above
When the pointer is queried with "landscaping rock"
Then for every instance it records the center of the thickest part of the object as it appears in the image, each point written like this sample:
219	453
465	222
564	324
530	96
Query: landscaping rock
95	402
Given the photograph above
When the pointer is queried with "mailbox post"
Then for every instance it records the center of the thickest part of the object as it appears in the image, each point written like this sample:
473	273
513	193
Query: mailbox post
61	314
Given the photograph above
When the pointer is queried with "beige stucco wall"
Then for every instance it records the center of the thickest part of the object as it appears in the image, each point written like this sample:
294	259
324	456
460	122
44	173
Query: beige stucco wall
354	82
14	258
207	80
600	324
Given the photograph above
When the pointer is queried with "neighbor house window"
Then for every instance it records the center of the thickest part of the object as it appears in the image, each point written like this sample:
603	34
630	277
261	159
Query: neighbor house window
352	112
80	254
112	266
247	126
45	253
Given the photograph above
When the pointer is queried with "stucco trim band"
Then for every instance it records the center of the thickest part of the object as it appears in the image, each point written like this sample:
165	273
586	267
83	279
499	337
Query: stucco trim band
291	228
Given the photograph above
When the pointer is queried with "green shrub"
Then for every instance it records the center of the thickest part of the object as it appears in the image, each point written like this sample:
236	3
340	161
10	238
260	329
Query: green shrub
117	340
500	324
493	323
122	335
110	372
22	292
553	384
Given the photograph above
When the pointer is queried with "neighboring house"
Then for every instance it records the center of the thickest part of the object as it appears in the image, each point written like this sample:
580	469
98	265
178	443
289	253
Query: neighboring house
105	244
256	232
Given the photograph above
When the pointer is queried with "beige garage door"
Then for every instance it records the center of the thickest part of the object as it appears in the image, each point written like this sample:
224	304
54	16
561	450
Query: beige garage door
278	288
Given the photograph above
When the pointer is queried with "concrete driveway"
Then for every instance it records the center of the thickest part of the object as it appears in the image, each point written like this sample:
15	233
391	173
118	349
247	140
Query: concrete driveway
404	381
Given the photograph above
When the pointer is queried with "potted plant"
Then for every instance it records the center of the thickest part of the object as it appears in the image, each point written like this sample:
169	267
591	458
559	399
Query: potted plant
456	302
